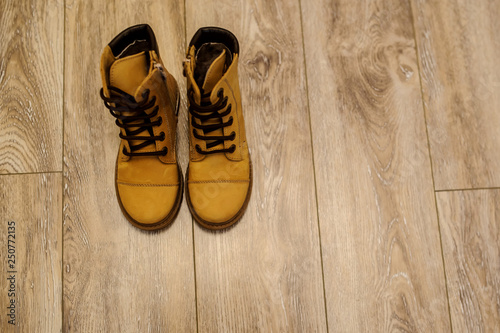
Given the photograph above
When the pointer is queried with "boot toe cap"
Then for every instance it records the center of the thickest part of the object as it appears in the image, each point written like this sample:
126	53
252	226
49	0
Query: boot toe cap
148	204
218	202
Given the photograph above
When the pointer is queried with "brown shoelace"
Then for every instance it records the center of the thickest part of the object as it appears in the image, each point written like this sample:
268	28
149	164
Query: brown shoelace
120	102
207	111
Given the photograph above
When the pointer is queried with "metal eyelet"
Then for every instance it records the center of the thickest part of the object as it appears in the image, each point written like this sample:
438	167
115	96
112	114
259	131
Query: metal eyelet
164	151
233	135
145	93
162	134
233	148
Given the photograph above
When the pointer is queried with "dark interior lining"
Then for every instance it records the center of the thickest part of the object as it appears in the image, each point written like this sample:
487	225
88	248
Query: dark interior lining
215	35
141	32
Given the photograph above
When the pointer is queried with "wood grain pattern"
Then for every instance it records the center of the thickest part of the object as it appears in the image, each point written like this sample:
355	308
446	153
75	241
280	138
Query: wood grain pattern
117	278
470	228
33	202
31	72
458	45
379	232
382	259
264	274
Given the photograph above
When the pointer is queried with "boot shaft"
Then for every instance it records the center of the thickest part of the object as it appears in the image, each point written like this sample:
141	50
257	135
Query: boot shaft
211	70
132	64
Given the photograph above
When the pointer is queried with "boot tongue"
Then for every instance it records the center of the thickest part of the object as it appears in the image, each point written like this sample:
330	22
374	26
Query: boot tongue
212	60
129	72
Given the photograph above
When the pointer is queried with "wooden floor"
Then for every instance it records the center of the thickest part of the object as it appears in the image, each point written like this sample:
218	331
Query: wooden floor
374	130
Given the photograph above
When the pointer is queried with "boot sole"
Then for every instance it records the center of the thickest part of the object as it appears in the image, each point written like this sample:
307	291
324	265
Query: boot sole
177	204
222	225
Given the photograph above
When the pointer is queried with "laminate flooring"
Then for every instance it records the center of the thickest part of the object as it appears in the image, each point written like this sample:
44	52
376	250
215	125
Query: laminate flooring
374	130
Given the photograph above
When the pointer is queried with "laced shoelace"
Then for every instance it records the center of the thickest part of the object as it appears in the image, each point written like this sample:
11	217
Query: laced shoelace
207	111
119	103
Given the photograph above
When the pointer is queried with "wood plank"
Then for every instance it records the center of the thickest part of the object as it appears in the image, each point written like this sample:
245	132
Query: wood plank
264	274
30	229
117	278
382	258
31	73
458	45
470	228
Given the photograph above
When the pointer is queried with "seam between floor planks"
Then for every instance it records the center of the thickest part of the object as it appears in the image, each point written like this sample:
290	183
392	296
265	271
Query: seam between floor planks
429	151
63	180
313	163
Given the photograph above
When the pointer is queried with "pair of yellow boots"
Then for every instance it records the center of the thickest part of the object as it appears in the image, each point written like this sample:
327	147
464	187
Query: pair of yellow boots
144	98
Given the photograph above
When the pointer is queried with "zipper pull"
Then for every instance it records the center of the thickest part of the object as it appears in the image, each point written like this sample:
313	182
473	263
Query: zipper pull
159	66
185	63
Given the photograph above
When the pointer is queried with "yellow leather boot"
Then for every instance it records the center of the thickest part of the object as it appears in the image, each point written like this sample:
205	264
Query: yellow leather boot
219	176
144	99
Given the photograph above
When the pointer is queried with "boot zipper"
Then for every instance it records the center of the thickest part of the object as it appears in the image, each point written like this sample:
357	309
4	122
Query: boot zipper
160	68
